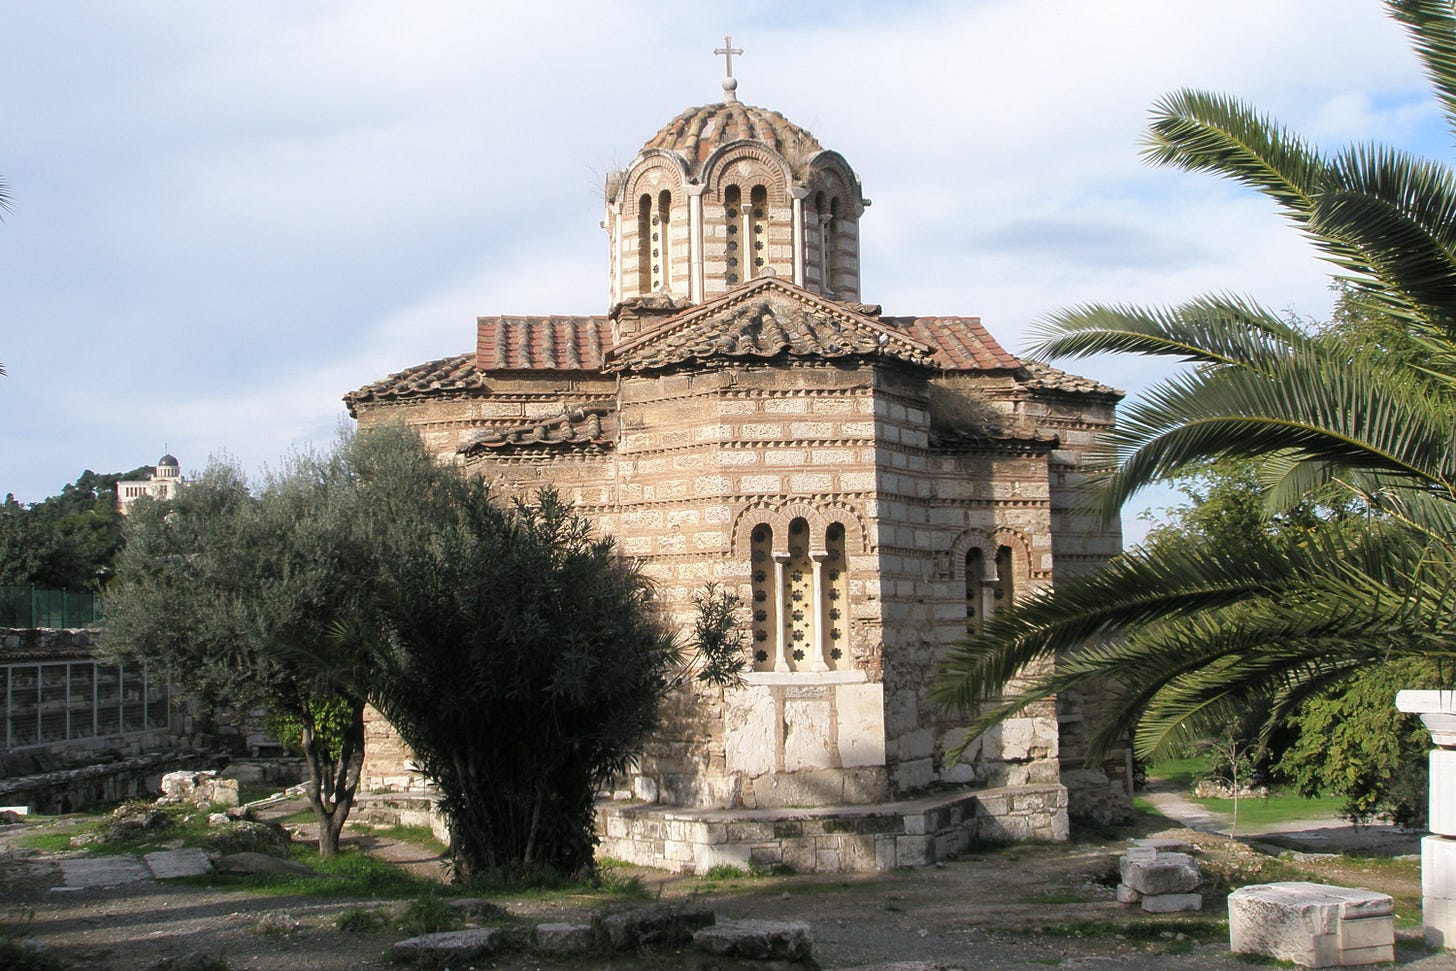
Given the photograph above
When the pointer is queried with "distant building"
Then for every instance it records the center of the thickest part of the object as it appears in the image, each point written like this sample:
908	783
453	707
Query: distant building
163	483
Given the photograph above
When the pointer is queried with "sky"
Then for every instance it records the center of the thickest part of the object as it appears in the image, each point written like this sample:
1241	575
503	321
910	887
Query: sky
228	215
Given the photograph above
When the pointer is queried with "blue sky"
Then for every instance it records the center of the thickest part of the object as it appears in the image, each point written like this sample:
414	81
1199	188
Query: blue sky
226	216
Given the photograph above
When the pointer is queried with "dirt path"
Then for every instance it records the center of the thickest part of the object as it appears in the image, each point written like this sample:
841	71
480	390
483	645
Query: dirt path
1013	908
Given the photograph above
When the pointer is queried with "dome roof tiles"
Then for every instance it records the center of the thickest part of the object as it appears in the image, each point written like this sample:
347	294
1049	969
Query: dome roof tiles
698	132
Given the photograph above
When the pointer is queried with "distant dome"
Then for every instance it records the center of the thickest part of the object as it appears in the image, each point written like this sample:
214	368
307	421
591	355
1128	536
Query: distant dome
697	132
167	461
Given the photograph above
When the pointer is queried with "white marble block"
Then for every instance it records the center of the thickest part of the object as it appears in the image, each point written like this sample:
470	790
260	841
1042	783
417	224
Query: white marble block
1443	792
1165	873
1311	924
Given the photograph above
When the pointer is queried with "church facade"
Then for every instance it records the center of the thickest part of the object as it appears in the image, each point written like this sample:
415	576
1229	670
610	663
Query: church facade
869	485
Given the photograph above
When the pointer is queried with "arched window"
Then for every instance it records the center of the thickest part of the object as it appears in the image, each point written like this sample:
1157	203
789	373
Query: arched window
975	584
758	228
1004	589
661	241
831	246
835	597
765	626
645	233
734	217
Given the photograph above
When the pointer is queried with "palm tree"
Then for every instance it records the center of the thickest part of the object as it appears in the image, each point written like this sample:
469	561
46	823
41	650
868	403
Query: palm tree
1185	635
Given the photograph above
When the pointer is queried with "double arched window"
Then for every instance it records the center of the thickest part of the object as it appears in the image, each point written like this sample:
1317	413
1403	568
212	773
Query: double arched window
654	241
800	599
987	591
747	233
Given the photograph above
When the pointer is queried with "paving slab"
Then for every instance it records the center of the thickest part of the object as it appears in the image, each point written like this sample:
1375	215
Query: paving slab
189	862
102	871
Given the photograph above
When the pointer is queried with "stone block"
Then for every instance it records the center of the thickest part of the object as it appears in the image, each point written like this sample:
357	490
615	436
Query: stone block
1443	792
1171	903
1311	924
653	925
912	850
442	949
166	864
565	938
1127	895
1438	867
757	940
1168	873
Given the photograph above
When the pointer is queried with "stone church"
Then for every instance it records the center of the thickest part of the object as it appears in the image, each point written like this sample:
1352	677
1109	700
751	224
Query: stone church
869	484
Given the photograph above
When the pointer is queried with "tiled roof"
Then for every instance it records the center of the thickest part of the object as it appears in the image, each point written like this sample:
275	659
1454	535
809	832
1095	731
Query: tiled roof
457	373
697	132
584	427
1044	377
961	342
766	319
542	343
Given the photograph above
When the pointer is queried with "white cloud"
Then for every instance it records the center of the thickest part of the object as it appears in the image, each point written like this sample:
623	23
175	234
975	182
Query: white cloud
228	216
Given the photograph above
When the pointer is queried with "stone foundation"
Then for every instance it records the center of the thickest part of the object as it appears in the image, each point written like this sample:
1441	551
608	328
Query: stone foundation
833	839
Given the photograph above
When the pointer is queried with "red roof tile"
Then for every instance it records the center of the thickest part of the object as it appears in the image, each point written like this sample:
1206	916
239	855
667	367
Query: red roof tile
961	343
542	343
1044	377
451	374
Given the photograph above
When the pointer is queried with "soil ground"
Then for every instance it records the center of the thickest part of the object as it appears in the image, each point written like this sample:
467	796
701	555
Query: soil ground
1016	907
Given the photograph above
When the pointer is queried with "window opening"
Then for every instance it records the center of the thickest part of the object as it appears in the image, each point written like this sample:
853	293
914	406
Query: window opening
1004	590
765	640
834	587
733	216
759	227
661	240
975	584
645	231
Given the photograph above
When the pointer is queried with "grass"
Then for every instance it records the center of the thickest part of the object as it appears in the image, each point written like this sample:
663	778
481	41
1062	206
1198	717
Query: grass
1254	811
1053	898
1272	810
1193	930
49	842
352	873
1182	773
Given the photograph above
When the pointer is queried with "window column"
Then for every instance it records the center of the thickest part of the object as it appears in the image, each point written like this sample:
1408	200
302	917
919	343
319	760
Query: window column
781	571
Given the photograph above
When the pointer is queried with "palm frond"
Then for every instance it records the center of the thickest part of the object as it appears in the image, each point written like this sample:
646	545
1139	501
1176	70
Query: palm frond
1400	211
1432	28
1311	405
1205	132
1213	329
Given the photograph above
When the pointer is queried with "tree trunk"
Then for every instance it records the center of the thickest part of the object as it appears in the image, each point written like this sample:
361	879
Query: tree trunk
349	768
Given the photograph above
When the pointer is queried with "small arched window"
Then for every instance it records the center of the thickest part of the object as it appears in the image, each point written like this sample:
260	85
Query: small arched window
661	241
765	624
975	584
835	598
1004	590
733	216
644	244
758	227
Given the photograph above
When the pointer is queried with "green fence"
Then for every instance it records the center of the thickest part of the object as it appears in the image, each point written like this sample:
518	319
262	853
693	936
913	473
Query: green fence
31	607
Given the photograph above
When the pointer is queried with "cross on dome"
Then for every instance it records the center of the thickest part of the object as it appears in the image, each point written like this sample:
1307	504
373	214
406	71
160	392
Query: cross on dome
730	83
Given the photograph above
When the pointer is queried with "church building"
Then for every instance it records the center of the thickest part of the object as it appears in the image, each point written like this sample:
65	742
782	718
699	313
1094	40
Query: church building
869	484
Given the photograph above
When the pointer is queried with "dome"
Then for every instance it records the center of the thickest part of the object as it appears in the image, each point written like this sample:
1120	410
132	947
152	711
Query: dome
168	461
698	132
